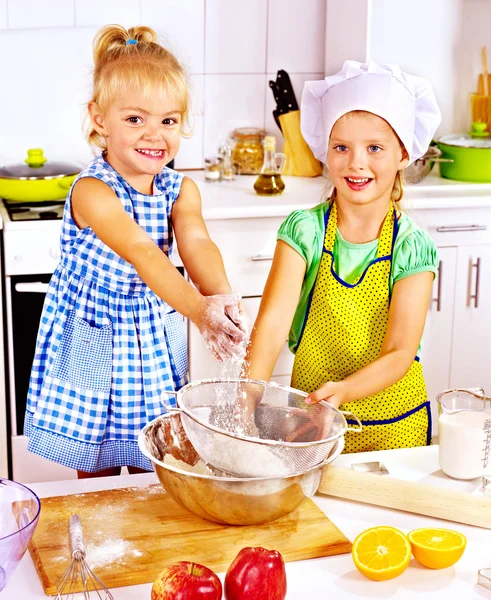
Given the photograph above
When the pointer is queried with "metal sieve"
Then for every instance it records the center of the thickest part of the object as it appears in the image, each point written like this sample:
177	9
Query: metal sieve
252	428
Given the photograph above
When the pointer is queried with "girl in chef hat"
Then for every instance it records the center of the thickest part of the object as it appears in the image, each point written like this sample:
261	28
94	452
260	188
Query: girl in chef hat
112	336
351	278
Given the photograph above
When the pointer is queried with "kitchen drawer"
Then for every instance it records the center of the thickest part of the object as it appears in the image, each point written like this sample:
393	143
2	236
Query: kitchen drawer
247	247
457	226
31	252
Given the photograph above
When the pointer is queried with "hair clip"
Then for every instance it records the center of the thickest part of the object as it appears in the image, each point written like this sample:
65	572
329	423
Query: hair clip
131	42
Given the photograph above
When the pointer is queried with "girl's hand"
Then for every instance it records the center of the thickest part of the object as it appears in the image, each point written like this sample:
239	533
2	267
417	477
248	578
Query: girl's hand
319	420
237	313
223	326
332	392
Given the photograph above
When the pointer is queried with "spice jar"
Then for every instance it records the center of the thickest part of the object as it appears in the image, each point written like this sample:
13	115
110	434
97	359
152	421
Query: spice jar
213	168
248	150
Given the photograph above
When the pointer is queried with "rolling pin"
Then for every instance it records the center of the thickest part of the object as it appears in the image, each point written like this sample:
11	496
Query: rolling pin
419	498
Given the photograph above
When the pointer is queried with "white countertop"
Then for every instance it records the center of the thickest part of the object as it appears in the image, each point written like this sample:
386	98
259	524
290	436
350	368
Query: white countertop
237	199
335	577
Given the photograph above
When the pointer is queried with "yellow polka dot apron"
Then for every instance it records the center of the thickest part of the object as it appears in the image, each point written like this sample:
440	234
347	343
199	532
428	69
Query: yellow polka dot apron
343	331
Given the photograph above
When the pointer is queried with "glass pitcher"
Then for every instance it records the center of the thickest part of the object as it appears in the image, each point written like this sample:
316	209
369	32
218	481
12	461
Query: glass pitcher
270	182
464	433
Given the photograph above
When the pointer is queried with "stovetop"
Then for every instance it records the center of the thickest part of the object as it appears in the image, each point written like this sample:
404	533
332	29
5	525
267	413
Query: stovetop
35	211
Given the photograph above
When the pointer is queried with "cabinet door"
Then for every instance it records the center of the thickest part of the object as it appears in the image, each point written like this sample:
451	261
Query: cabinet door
203	365
437	337
471	340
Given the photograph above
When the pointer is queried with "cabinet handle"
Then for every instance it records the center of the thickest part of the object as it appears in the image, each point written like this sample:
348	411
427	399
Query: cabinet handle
259	257
457	228
475	295
33	287
438	298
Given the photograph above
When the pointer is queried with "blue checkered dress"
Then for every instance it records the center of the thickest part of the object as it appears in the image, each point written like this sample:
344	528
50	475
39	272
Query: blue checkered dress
107	346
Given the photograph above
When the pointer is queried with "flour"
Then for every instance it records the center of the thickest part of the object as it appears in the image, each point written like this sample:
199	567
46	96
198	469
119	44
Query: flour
110	552
235	456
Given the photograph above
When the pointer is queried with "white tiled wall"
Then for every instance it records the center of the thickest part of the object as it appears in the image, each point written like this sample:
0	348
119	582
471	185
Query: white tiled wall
230	48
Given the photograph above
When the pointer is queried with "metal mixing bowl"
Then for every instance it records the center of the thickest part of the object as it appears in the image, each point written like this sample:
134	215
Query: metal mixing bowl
217	496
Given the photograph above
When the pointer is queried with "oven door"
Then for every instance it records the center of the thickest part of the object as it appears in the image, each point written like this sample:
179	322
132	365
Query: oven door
24	300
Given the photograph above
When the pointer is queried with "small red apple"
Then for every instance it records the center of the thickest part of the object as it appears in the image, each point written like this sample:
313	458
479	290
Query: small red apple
187	581
256	574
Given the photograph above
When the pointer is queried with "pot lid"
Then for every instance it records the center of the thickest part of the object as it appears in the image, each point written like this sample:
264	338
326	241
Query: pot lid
478	137
38	167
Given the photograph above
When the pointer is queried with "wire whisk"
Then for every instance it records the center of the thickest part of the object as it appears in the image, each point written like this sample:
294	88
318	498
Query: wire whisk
79	581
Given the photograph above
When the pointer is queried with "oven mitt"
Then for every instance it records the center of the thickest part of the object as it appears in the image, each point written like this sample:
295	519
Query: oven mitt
299	158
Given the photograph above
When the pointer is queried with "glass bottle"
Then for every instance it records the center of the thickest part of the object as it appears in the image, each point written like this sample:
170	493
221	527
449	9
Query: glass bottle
269	182
229	170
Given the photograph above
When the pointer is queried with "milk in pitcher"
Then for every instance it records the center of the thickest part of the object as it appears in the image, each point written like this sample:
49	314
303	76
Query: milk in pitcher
463	439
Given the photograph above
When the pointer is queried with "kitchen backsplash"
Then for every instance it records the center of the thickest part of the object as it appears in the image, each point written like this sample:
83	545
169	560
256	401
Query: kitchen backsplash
231	48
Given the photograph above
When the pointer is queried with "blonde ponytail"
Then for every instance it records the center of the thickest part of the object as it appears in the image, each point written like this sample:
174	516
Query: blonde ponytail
112	40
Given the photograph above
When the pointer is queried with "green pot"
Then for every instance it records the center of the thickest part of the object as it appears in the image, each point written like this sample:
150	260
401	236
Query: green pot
39	181
471	156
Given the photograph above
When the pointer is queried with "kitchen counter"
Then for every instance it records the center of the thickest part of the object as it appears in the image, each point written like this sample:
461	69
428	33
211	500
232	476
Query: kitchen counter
333	577
237	199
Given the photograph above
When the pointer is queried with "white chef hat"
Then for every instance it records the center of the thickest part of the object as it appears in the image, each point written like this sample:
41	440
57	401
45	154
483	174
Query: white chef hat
406	102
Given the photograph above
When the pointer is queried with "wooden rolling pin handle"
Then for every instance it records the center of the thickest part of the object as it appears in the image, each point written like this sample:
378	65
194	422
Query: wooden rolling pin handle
422	499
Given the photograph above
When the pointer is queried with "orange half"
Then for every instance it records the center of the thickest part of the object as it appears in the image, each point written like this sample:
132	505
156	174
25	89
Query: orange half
381	553
437	548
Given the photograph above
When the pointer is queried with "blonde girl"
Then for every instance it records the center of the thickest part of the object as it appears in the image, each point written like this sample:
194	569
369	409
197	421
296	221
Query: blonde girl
112	336
351	278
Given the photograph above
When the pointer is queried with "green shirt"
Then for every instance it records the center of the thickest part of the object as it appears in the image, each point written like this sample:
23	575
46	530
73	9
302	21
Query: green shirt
303	230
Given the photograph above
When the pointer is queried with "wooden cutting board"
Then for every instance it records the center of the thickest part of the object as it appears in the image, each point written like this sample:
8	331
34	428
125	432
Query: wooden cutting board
131	534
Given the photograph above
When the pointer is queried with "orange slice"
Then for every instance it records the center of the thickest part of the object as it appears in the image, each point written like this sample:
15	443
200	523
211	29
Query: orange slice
381	553
437	548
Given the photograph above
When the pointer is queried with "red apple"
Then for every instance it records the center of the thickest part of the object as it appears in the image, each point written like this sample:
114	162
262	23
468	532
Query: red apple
187	581
256	574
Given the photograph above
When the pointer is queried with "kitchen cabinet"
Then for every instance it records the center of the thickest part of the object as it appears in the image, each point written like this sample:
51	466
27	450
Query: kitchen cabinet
247	247
437	338
457	339
471	337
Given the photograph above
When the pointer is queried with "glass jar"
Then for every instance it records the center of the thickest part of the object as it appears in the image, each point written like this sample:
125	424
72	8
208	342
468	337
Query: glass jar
213	168
248	150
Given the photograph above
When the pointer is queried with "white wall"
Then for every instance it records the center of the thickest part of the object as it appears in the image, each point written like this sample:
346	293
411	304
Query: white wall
421	36
437	39
474	33
231	48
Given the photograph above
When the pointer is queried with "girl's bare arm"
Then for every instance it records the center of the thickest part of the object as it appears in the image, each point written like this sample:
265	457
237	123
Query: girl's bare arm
199	254
278	305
